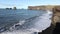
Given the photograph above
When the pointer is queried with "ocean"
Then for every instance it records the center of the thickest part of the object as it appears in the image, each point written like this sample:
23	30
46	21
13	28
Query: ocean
24	21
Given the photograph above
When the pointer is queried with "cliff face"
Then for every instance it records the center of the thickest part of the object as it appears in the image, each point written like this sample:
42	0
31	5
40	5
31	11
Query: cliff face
36	7
48	7
56	14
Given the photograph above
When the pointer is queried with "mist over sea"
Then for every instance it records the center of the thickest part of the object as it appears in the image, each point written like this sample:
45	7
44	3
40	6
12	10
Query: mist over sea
24	21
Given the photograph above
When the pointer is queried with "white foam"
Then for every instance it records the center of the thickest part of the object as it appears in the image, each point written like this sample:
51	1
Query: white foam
17	32
49	12
42	22
21	22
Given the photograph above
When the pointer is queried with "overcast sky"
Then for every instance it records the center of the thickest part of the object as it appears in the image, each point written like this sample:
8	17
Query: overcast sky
26	3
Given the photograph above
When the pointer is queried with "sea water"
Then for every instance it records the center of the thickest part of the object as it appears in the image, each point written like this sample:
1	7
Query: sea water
24	21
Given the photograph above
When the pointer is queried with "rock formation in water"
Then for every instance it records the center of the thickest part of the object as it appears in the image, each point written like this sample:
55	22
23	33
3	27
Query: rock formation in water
9	8
14	8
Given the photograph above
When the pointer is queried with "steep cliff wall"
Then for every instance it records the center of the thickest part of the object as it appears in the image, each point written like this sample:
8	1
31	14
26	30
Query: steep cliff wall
56	14
36	7
46	7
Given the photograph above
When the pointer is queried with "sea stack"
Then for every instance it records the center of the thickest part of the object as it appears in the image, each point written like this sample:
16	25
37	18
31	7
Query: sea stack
14	8
9	8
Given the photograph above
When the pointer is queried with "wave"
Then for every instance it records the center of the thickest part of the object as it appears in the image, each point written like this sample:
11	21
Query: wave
28	26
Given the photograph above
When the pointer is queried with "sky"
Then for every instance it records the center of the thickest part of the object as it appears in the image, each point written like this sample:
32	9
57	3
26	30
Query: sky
25	3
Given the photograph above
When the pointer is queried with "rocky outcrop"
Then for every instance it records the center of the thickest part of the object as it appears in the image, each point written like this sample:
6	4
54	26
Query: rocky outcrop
14	8
9	8
56	15
47	7
36	7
